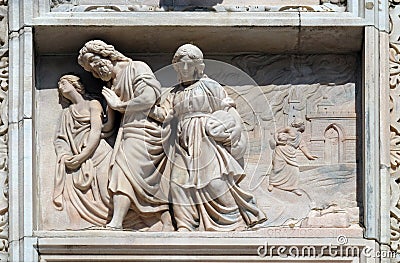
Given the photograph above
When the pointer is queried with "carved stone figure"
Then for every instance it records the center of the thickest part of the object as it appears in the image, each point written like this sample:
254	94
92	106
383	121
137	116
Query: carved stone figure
205	169
83	158
138	159
285	170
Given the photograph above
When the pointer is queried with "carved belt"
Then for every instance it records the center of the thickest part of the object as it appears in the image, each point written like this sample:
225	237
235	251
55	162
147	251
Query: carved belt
193	115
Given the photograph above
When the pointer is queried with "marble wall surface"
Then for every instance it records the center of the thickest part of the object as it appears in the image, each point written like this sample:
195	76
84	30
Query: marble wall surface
317	69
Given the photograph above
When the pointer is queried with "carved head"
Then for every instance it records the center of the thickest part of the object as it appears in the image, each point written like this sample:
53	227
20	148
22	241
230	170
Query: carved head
99	58
188	62
298	124
68	84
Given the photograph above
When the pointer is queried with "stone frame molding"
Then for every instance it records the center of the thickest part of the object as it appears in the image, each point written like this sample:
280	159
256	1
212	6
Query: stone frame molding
28	19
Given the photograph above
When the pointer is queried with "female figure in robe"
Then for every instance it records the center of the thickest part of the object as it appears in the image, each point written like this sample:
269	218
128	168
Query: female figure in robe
205	169
285	168
83	158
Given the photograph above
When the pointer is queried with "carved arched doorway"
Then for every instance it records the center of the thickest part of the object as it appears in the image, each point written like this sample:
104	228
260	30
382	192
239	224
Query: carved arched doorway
333	144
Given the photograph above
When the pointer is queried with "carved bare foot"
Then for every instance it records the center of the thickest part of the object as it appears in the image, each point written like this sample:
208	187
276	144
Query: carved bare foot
241	228
113	226
257	223
270	187
121	206
97	227
167	228
167	222
183	229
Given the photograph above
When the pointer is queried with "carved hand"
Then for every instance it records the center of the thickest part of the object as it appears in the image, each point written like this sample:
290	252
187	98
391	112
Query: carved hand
64	157
235	133
216	130
112	99
312	157
73	162
170	116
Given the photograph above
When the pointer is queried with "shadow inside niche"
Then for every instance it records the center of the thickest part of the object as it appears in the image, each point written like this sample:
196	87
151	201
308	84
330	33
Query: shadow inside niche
197	3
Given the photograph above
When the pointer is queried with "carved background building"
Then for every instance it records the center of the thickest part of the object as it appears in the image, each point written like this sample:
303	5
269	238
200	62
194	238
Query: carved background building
332	64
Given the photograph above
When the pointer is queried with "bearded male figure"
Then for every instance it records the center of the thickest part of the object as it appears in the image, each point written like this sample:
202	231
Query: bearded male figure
138	160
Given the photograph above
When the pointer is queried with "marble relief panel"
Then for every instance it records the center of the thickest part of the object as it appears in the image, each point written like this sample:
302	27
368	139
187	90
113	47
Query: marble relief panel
328	108
296	150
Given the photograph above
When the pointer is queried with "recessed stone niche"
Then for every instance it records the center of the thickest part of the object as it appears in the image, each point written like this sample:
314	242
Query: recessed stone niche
192	2
197	5
271	91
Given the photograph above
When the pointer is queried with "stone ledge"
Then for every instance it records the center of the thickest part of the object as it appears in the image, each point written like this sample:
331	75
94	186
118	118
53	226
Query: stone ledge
187	258
256	19
195	247
270	232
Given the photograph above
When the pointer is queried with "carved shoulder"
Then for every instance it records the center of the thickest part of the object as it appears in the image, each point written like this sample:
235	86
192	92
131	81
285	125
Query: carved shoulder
95	108
95	105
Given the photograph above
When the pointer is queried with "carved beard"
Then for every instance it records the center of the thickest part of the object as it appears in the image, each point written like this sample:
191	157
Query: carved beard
105	70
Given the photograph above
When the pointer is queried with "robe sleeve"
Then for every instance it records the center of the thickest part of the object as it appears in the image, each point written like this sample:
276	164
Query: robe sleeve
61	144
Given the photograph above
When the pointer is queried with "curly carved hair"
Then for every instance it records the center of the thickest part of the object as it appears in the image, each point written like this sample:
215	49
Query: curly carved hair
98	49
189	50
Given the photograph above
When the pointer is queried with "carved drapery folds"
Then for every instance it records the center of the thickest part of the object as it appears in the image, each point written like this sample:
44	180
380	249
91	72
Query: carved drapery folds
317	91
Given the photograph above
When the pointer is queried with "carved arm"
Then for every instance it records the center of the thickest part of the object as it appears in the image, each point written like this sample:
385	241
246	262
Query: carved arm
143	101
93	138
303	148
